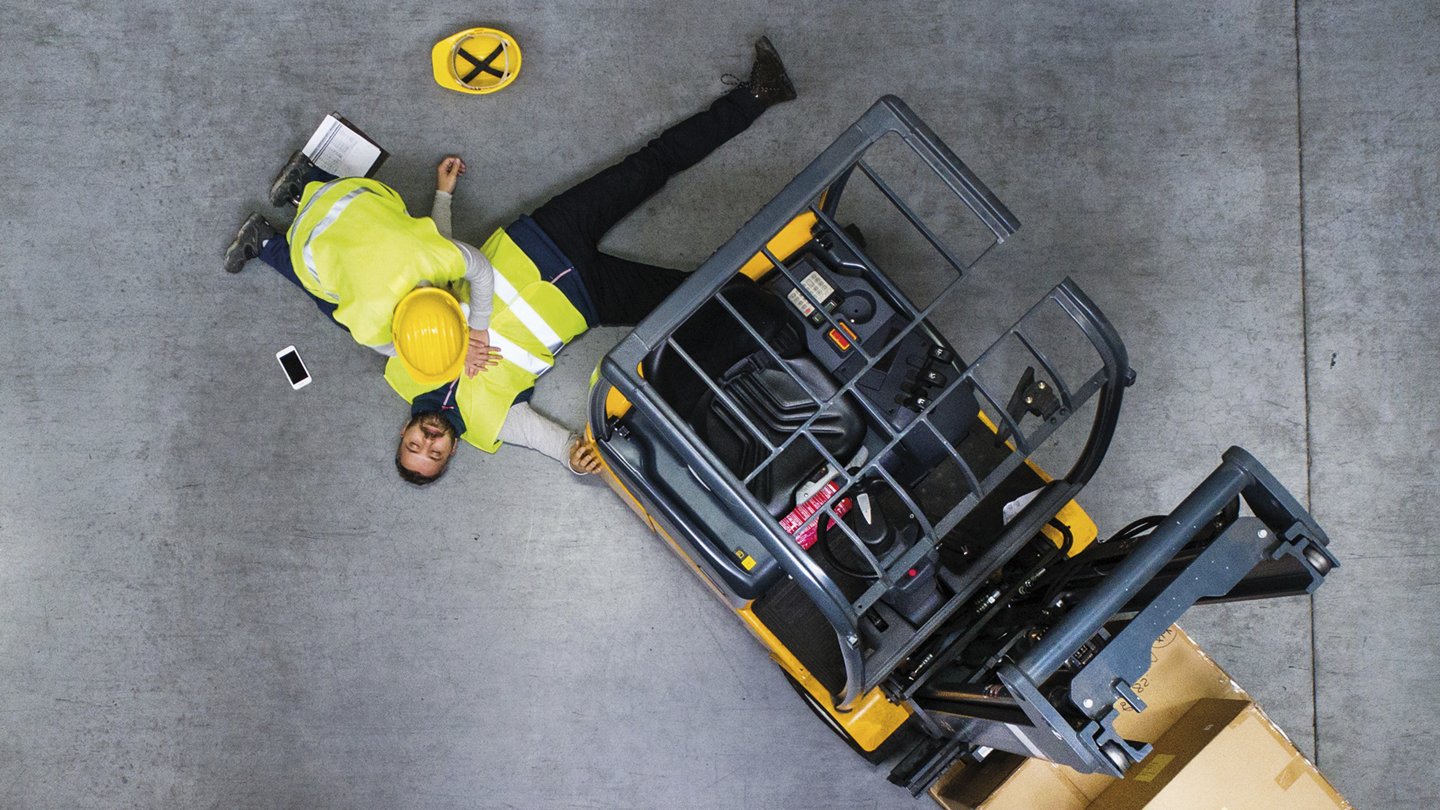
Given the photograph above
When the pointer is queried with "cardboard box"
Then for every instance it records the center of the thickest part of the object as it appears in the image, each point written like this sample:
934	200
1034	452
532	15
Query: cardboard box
1222	754
1005	781
1180	673
1180	676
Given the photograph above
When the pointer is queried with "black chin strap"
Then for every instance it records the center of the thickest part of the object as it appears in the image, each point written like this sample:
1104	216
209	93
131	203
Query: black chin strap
481	65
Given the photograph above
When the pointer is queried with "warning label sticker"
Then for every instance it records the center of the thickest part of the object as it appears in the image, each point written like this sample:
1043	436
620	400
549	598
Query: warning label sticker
817	286
798	299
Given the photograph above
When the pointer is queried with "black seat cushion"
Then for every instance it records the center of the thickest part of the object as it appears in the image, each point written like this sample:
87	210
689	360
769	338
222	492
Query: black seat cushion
777	403
713	339
766	393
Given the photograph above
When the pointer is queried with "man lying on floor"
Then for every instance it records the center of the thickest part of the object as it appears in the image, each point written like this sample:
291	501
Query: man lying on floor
550	283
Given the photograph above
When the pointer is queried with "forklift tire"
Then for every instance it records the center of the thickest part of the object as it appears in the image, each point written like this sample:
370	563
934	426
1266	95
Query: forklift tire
873	757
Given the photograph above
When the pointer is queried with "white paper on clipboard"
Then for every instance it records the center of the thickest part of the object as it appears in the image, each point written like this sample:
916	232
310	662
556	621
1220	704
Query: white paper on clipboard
341	149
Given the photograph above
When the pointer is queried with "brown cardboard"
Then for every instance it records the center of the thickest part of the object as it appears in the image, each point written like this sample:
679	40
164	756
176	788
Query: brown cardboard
1222	753
978	786
1180	673
1252	754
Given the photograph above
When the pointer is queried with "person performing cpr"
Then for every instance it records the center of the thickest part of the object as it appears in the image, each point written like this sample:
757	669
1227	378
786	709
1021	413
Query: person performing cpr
397	282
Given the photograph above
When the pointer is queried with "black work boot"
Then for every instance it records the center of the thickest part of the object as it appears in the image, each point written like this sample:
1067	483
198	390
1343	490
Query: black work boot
248	240
768	80
290	182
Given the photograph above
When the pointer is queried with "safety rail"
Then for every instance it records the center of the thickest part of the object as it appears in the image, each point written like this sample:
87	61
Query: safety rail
1045	693
817	190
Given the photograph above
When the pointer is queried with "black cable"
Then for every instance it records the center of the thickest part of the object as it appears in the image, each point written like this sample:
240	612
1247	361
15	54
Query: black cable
1134	530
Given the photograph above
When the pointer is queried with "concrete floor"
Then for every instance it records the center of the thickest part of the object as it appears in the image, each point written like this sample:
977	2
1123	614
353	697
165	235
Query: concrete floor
214	592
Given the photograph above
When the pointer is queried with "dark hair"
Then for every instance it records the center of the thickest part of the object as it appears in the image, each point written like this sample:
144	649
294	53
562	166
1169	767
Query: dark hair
410	475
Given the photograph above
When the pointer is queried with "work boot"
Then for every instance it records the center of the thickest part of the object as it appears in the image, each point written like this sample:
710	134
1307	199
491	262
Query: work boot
768	80
290	183
248	240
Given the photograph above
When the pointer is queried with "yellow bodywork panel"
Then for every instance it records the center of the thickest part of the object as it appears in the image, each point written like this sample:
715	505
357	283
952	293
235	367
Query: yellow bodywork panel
787	241
615	402
873	719
1082	528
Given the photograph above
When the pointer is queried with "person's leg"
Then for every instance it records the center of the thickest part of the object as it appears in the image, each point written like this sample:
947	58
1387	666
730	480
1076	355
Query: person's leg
315	174
276	251
578	218
624	291
276	254
290	183
627	290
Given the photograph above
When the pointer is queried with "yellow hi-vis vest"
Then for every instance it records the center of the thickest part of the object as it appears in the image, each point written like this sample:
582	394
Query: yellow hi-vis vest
531	321
354	244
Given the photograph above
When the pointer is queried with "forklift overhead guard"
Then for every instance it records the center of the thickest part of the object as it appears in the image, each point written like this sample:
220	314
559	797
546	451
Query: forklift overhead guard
896	524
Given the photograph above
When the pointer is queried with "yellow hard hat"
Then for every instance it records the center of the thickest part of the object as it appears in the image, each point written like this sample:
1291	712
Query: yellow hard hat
476	60
430	335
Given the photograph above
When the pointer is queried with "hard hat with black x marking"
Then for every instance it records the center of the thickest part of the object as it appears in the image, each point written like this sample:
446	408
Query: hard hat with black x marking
476	60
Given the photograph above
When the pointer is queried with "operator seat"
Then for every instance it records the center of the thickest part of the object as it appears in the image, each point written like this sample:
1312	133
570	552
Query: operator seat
771	397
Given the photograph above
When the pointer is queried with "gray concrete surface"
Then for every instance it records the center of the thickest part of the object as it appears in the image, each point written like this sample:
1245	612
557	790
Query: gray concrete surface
214	592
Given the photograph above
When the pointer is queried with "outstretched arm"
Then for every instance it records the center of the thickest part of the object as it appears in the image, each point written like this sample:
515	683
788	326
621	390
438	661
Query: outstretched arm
478	270
447	175
526	427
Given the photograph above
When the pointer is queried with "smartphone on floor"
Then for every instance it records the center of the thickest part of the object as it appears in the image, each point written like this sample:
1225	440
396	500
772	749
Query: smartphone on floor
294	367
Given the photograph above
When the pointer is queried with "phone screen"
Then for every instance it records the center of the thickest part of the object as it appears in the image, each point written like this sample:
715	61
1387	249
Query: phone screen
294	369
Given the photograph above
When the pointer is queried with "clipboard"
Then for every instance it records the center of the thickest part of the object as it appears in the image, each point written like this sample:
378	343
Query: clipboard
342	149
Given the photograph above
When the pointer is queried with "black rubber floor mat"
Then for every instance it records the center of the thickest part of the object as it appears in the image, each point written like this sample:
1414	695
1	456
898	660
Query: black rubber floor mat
799	625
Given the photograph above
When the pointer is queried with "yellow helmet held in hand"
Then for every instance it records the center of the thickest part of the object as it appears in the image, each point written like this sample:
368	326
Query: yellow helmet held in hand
476	60
430	335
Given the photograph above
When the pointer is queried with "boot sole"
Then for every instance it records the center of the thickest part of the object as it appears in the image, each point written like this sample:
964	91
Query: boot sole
278	197
236	255
789	94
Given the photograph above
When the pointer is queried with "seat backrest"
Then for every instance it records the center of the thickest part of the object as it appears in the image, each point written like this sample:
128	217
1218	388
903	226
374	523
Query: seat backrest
713	339
778	401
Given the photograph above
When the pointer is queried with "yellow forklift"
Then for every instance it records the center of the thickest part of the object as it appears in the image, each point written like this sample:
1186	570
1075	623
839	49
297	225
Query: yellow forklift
897	524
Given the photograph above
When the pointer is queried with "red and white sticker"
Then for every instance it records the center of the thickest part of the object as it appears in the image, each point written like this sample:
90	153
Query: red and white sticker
795	524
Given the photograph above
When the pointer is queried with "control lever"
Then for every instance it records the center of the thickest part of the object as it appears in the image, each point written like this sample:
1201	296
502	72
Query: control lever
1031	396
929	378
916	391
840	264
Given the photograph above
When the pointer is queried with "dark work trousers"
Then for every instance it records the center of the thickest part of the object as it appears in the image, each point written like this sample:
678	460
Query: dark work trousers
276	253
625	291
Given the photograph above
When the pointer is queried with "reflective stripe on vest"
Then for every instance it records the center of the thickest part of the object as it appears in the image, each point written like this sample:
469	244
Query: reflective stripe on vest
520	328
506	292
333	214
514	354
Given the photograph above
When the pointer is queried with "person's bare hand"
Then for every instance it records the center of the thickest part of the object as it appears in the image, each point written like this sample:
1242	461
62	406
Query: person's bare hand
480	355
584	458
447	174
